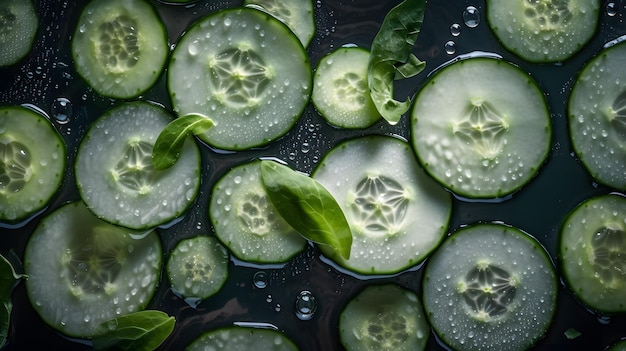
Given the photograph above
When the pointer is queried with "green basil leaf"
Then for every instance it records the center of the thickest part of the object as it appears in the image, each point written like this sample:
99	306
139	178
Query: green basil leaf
572	333
169	144
307	206
8	279
391	57
140	331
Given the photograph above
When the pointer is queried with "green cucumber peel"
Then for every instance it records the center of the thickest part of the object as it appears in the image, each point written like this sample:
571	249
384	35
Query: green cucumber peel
391	57
8	279
170	141
140	331
307	206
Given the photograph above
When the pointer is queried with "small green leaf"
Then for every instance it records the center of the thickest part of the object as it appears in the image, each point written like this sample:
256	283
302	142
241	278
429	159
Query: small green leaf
138	331
307	206
170	142
572	333
391	57
8	279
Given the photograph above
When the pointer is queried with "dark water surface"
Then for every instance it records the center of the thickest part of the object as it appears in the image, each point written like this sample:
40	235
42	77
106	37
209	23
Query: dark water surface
47	80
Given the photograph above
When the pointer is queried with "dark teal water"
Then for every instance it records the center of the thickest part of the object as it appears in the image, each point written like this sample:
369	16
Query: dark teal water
47	75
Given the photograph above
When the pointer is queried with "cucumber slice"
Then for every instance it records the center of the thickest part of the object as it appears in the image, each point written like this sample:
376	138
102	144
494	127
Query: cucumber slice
198	267
236	338
114	170
481	127
384	317
543	30
120	47
340	91
18	26
397	214
83	271
618	346
296	14
246	71
597	117
490	286
32	162
592	247
245	220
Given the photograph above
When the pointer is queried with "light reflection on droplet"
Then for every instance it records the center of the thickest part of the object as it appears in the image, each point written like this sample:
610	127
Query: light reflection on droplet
305	305
450	47
471	16
260	279
611	9
455	29
61	110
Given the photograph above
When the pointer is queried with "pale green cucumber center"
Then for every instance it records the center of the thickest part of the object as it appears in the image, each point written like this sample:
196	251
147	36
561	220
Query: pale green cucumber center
482	127
117	46
609	256
15	166
7	21
548	14
386	330
617	114
256	215
351	90
134	170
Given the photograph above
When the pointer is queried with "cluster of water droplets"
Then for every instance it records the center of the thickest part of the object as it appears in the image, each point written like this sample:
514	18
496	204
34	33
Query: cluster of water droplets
305	304
471	18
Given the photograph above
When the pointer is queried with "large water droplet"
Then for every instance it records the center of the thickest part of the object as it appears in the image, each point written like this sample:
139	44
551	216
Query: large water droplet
455	29
260	279
611	9
450	47
305	305
471	16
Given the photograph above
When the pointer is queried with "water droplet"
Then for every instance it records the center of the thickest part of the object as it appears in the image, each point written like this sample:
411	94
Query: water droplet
268	298
193	48
305	148
450	47
277	308
305	305
455	29
471	16
611	9
260	280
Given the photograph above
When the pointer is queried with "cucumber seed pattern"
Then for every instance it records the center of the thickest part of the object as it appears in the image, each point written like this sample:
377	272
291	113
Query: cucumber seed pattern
118	46
488	290
379	206
548	13
483	127
258	214
386	330
351	89
135	170
15	162
617	114
609	256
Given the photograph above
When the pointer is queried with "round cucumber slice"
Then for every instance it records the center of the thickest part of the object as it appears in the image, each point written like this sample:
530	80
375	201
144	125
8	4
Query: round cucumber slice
597	117
120	47
592	248
297	15
198	267
32	162
384	317
481	127
490	286
340	90
83	271
114	170
397	214
242	339
543	30
246	71
245	220
18	26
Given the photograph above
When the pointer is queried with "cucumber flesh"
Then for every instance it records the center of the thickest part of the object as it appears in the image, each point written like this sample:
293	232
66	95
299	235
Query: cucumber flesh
340	91
198	267
384	317
32	162
246	71
597	117
120	47
245	220
490	286
83	271
481	127
114	170
397	214
543	30
18	26
238	338
296	14
592	247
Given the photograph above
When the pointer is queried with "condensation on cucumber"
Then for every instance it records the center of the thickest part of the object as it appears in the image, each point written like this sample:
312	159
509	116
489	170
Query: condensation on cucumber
242	338
296	14
18	27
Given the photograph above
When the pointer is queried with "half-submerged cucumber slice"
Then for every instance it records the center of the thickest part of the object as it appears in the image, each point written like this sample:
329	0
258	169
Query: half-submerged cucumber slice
296	14
597	117
32	162
238	338
384	317
481	127
543	30
18	27
198	267
397	214
246	71
340	91
592	248
114	170
83	271
120	47
490	286
246	221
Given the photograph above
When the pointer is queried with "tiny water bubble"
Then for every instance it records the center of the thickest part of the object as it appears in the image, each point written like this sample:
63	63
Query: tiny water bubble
471	16
260	281
450	47
305	148
61	110
455	29
305	305
611	9
268	299
277	308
